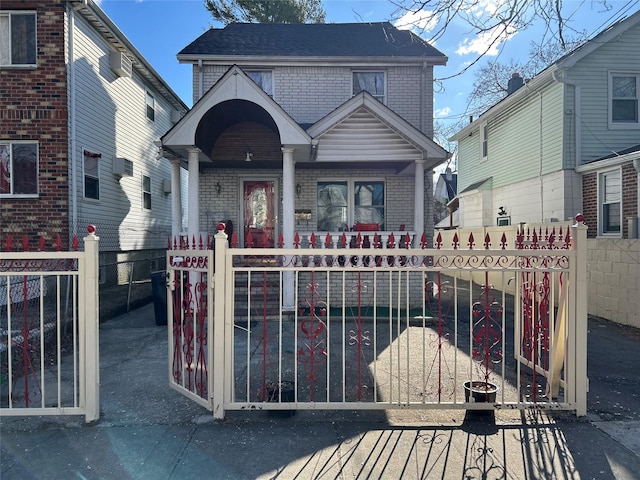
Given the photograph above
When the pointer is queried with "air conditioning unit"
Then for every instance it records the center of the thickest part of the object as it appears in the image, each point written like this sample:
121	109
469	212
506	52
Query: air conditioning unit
122	167
121	64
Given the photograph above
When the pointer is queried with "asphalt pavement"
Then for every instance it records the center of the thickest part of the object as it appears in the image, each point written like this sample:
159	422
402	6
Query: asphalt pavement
149	431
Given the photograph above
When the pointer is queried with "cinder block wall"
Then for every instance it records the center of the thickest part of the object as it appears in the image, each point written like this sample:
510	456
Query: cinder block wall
613	280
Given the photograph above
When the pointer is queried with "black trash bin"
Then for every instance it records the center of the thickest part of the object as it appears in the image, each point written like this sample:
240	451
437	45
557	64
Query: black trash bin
159	293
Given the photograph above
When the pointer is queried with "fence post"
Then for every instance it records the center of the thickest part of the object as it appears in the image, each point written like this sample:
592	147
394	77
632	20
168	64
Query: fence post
217	334
579	244
91	318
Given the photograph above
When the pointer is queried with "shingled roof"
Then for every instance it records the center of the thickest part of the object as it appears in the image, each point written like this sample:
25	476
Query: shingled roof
311	40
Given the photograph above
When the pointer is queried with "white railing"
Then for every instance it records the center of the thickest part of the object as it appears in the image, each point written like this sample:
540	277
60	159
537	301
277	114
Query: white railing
49	350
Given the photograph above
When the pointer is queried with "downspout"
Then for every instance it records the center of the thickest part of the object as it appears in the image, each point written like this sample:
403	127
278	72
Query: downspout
72	113
540	154
577	115
423	92
200	80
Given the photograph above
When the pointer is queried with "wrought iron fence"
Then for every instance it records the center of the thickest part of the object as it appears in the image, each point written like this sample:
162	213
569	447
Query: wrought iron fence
373	328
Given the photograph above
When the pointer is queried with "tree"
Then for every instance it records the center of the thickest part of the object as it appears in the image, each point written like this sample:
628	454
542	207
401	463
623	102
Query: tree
266	11
492	79
491	23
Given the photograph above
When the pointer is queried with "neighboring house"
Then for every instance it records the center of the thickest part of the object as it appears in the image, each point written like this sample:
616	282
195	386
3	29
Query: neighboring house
80	109
567	142
444	196
308	127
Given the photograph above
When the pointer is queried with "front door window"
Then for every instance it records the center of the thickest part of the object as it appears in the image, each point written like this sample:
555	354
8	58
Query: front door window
259	218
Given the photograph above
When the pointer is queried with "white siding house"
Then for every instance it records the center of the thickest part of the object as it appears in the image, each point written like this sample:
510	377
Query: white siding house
568	142
120	108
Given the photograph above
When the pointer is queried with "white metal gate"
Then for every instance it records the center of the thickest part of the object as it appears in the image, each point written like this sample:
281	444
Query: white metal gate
380	328
49	346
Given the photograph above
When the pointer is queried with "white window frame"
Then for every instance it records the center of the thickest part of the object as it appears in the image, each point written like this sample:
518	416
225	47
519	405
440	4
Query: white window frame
255	74
383	98
619	124
602	201
150	106
351	200
146	193
5	39
89	153
10	144
484	141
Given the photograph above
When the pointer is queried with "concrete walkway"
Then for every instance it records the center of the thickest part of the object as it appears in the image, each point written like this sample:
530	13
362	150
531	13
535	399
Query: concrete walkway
148	430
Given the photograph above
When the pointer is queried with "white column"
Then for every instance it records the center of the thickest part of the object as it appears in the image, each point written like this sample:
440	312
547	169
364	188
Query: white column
288	222
193	200
176	198
418	208
288	201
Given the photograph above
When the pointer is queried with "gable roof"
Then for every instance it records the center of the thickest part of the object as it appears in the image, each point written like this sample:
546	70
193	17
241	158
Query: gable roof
384	125
233	85
337	40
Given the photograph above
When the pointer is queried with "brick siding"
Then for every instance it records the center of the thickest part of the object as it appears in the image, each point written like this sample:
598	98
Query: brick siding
33	106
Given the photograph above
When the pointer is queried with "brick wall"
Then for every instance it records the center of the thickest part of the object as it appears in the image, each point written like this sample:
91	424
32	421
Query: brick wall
33	106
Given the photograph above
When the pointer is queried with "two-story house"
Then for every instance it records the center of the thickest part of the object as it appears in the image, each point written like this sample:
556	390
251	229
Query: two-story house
308	128
80	110
566	142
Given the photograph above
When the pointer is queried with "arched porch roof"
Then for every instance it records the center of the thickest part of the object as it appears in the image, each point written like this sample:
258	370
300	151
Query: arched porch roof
233	100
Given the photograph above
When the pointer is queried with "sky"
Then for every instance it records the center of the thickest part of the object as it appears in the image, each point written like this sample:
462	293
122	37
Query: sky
159	29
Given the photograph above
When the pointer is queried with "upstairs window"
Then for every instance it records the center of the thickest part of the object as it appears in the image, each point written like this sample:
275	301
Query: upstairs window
372	82
17	39
146	192
610	189
151	107
18	169
624	97
91	173
484	137
263	78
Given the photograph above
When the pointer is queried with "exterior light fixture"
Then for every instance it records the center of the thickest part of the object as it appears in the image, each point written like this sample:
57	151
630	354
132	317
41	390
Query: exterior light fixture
248	157
218	188
298	190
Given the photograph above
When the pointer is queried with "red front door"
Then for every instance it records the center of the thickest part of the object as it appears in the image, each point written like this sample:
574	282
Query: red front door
259	217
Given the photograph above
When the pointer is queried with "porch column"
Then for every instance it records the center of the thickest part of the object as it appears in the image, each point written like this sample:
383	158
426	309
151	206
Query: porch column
193	202
176	198
288	222
418	208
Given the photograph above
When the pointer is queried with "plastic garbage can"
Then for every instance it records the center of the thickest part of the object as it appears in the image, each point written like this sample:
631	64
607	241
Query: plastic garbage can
159	294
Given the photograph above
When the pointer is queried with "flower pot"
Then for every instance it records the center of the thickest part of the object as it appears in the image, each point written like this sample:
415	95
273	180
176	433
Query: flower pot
479	391
281	392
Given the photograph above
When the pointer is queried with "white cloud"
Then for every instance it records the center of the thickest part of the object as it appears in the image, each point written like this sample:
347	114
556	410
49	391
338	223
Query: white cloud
442	112
486	42
420	22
